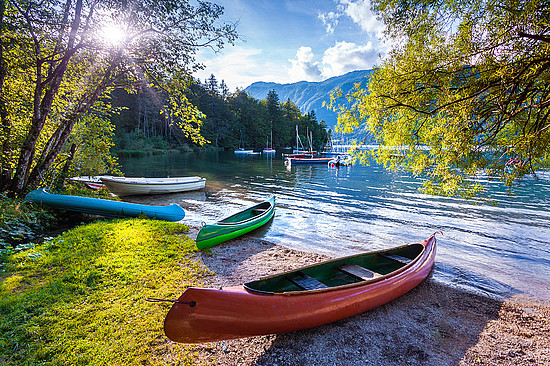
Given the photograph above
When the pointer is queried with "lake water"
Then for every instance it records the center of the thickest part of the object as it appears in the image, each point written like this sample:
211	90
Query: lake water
497	250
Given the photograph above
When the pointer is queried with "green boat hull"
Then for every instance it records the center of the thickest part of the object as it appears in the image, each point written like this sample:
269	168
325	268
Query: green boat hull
236	225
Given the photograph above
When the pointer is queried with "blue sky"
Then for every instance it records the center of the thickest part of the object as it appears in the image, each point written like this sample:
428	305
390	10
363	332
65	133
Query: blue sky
286	41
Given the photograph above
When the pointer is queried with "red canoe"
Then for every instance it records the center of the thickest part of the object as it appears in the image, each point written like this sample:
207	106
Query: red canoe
303	298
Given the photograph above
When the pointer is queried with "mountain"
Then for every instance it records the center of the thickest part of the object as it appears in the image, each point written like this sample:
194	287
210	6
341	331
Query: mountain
310	96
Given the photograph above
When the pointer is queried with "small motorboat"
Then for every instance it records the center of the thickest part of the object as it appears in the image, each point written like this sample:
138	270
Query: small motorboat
102	207
299	299
122	186
244	152
236	225
299	155
301	161
339	161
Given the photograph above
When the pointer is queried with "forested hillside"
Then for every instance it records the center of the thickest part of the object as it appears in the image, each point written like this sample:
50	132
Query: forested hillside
230	120
311	95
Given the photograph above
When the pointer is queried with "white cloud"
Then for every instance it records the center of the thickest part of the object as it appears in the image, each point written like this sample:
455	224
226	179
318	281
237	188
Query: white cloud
348	56
359	11
330	19
239	67
304	67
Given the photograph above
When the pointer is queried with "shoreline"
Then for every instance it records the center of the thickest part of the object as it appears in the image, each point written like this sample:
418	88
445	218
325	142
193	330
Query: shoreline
433	324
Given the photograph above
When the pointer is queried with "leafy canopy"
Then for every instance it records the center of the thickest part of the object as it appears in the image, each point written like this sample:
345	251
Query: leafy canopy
60	59
464	91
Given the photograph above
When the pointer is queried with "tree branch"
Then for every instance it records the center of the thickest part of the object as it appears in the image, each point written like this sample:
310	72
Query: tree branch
536	37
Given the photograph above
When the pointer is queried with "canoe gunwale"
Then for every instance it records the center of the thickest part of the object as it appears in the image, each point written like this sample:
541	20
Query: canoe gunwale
340	287
253	218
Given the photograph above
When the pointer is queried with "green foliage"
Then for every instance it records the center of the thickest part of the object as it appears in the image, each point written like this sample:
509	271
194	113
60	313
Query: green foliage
61	66
80	298
230	115
21	221
465	89
138	142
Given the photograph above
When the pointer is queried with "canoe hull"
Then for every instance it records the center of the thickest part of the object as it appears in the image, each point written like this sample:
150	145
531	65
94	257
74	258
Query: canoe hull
211	235
96	206
205	315
140	186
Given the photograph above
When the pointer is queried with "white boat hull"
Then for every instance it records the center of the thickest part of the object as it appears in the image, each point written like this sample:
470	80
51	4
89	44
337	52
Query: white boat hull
122	186
242	151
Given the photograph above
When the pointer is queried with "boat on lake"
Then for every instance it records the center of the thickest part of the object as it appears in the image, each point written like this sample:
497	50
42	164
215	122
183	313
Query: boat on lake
244	151
300	151
241	150
340	161
298	154
295	161
302	298
122	186
269	148
102	207
236	225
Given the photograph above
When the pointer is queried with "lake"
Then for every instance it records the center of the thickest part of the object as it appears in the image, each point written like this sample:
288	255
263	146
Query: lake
496	250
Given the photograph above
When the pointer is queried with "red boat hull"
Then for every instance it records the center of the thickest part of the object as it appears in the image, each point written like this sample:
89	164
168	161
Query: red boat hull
205	315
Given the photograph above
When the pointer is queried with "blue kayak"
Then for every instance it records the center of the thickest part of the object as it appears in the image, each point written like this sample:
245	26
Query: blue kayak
97	206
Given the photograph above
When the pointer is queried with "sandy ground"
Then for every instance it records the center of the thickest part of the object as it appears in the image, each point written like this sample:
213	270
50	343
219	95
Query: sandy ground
431	325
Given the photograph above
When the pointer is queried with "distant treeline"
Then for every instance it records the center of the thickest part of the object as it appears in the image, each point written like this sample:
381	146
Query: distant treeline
231	120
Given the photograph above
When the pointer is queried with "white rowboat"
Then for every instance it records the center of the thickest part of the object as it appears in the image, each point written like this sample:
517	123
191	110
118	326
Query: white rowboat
122	186
93	182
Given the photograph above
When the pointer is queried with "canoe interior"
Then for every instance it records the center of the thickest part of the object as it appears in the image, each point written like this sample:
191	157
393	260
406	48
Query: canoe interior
246	214
340	272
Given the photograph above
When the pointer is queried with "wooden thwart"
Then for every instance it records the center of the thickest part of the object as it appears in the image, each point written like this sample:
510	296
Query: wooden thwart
306	282
397	258
358	271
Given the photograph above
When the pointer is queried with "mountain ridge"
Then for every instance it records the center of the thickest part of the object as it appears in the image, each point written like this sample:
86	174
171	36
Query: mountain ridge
310	95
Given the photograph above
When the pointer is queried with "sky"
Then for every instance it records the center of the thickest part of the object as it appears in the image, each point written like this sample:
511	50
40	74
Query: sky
286	41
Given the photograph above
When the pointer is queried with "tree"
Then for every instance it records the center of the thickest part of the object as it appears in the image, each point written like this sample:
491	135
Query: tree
465	90
59	59
224	90
211	85
273	118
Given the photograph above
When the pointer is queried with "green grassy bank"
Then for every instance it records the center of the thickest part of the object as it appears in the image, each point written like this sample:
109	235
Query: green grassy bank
79	299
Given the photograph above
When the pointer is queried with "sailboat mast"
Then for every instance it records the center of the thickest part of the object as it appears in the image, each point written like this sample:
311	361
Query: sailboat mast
297	146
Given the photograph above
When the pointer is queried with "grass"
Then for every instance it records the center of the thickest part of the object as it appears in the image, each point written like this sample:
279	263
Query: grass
79	299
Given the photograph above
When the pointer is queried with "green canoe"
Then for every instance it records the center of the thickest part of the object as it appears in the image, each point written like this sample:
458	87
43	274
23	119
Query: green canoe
236	225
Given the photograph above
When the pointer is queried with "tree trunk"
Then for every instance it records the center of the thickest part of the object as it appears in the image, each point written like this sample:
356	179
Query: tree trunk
43	107
5	171
61	135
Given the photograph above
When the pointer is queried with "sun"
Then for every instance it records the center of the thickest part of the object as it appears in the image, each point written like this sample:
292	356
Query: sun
113	34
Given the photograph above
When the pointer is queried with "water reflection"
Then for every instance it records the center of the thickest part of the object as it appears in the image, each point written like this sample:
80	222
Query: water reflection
496	249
